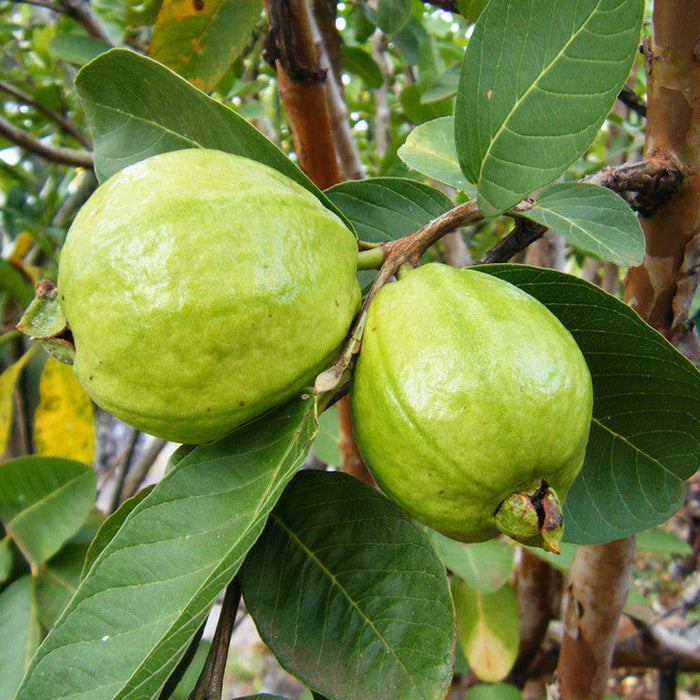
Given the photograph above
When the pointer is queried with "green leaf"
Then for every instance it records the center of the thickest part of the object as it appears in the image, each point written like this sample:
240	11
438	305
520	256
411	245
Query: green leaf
430	150
327	443
56	582
385	208
485	566
78	49
444	86
12	282
663	542
471	9
360	63
6	558
637	607
392	15
200	41
43	502
538	79
142	12
153	584
109	528
593	219
137	108
493	691
645	433
487	629
560	562
349	594
20	632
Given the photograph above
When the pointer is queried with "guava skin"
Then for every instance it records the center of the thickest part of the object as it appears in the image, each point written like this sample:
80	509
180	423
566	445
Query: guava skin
467	390
202	289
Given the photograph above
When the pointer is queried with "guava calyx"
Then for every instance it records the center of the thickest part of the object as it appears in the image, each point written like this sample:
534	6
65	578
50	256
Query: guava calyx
533	518
44	321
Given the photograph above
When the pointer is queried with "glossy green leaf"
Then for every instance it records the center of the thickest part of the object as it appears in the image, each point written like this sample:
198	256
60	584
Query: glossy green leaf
349	594
43	502
493	691
153	584
360	63
392	15
430	149
142	12
56	582
645	433
327	443
593	219
136	108
385	208
538	79
487	629
20	632
200	40
485	566
110	527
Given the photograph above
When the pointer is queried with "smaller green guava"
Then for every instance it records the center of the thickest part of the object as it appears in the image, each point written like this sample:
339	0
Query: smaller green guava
202	289
471	405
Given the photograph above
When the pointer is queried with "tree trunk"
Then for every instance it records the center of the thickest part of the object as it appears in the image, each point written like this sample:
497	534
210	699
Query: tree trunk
300	80
660	291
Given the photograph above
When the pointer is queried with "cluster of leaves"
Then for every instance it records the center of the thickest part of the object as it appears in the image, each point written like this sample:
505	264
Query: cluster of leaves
349	593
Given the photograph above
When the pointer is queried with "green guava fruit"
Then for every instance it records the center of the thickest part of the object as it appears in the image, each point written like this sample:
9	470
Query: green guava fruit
202	289
471	405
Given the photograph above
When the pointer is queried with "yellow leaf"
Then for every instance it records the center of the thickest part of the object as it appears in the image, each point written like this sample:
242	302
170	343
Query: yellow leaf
8	380
487	629
64	422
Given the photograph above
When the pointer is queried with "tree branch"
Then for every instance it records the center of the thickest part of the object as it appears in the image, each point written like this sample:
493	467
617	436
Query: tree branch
631	99
66	125
210	683
81	11
55	154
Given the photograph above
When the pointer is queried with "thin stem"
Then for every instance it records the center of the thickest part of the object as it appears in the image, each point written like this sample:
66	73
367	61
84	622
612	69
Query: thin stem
55	154
65	124
126	463
210	683
370	259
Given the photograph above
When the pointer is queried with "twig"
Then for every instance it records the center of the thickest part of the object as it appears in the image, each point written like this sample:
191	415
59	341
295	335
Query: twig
653	180
631	99
524	232
66	125
138	472
55	154
126	463
210	683
80	10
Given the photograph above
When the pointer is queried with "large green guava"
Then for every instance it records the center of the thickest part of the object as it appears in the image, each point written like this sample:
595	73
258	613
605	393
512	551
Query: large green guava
201	289
471	405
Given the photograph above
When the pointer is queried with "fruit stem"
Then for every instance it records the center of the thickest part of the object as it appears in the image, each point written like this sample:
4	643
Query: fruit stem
370	259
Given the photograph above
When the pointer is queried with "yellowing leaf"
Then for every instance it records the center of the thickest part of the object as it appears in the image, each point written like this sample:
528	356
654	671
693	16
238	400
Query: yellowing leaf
8	380
64	423
487	629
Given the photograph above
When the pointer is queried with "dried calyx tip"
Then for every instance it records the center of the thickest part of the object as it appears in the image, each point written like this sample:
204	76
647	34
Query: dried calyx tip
533	518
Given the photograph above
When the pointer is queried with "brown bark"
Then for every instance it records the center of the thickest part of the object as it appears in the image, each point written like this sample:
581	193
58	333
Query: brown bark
291	48
661	288
304	99
599	582
539	598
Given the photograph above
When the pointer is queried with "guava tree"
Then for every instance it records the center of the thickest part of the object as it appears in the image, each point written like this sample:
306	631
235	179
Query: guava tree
469	133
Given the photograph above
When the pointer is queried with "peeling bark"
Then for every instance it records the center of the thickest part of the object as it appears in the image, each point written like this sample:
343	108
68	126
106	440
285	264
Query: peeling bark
661	288
599	582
